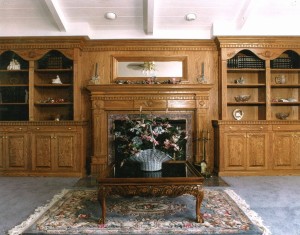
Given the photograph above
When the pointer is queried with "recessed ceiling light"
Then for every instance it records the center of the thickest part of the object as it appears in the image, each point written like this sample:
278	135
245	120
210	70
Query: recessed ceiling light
190	17
110	15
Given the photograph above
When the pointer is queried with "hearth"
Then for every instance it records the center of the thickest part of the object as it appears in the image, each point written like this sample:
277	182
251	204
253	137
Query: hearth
184	121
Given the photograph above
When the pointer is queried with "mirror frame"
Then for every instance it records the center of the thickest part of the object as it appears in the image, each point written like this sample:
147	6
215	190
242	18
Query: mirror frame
118	58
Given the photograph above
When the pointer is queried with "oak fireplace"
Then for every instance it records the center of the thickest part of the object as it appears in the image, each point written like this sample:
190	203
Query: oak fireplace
188	102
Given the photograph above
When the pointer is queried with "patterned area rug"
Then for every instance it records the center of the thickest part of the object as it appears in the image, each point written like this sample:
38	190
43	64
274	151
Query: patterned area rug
78	211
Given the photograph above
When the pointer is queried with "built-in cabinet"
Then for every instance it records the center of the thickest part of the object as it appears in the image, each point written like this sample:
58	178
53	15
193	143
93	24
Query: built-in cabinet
43	148
14	149
286	147
40	128
259	90
58	151
246	150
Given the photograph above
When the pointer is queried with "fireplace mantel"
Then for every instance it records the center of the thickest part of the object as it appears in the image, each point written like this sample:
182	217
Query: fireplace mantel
134	98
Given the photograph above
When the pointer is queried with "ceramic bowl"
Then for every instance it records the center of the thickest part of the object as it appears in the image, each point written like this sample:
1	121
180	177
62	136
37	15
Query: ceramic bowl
242	98
282	116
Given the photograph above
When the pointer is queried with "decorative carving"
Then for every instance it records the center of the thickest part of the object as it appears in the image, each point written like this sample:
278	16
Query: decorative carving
201	103
150	190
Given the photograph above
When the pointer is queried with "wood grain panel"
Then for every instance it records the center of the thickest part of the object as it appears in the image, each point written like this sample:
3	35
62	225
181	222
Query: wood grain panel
17	151
43	146
235	151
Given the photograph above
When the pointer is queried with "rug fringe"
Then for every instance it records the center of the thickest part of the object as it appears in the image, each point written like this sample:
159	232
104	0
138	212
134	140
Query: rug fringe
38	212
253	216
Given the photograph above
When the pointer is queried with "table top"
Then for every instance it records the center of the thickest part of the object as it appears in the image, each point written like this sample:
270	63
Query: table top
172	172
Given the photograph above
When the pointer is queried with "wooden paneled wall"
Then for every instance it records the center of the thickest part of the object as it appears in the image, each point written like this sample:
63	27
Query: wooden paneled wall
91	52
196	51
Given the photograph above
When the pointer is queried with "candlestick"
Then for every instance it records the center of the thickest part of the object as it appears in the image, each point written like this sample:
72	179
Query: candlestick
141	109
96	68
202	69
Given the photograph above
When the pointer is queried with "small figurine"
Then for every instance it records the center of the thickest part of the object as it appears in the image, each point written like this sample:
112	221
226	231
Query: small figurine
56	80
57	117
241	80
14	65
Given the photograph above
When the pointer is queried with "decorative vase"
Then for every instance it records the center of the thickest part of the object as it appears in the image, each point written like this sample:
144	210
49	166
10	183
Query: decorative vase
150	159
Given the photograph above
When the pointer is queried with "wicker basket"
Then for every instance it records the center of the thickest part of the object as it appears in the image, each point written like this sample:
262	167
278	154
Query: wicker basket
150	159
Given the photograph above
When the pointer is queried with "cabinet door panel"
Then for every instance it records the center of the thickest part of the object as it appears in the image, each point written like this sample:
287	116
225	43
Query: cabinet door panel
2	154
235	151
65	151
42	153
257	150
17	151
297	150
283	150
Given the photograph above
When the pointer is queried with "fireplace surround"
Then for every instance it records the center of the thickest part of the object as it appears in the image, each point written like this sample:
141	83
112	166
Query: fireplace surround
109	101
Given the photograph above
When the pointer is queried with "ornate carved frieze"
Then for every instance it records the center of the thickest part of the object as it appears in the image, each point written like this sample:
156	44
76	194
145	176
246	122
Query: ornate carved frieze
258	42
150	190
124	98
150	45
41	123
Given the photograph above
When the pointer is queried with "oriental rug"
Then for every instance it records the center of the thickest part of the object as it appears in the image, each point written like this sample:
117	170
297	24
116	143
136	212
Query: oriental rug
78	212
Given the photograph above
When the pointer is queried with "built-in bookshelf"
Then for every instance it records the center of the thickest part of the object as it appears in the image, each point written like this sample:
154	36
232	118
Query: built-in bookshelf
259	92
46	99
272	87
14	87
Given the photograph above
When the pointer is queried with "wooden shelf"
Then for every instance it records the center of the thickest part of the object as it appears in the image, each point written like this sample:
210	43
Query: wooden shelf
14	85
245	85
285	70
14	71
245	103
285	86
53	70
285	103
2	104
52	104
53	85
245	70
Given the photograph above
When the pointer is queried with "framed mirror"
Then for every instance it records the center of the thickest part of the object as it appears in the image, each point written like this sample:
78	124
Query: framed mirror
140	68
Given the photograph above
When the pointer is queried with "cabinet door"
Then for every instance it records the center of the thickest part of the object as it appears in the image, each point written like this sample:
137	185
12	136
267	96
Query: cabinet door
235	146
16	151
297	150
283	150
257	150
2	153
66	150
42	146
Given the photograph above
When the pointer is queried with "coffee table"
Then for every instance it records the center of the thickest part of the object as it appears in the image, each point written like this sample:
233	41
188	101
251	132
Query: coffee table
175	179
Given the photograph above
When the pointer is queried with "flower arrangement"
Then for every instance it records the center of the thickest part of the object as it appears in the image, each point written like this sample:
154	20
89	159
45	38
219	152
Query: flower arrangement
134	135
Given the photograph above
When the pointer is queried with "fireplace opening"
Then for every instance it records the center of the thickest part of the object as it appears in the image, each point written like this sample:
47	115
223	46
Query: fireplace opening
172	134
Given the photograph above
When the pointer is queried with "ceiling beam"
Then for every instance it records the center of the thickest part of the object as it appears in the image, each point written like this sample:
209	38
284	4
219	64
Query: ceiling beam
243	14
57	14
148	6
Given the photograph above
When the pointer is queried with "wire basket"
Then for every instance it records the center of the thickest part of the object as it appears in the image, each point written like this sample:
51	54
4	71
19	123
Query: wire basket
150	159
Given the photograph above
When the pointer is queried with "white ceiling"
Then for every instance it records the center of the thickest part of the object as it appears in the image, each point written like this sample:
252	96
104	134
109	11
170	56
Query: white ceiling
148	19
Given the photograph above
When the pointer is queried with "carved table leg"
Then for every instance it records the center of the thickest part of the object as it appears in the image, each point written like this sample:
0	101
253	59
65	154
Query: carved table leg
199	198
101	199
